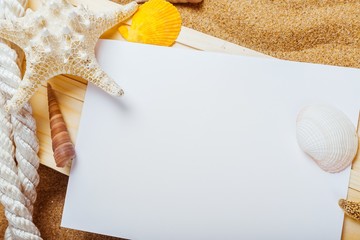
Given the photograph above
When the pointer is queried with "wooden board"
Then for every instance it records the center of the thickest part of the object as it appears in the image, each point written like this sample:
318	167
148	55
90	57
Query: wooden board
70	91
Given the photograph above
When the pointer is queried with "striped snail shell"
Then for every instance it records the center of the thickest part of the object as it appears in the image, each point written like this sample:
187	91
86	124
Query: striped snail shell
62	146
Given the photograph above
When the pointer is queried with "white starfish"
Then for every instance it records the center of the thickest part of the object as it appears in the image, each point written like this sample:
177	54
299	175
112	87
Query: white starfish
60	39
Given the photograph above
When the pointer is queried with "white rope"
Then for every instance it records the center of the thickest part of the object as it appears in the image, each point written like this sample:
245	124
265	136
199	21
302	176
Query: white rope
18	143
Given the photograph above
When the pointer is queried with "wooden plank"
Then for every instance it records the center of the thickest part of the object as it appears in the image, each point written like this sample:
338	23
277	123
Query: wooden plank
69	86
356	162
355	180
194	39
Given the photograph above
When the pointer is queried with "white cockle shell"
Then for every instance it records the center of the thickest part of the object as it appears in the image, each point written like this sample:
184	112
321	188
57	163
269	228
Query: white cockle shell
328	136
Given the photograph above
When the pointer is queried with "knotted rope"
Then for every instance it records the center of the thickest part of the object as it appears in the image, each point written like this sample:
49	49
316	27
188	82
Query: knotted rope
18	143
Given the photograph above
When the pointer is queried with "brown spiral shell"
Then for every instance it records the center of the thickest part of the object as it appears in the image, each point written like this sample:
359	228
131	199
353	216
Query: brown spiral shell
63	148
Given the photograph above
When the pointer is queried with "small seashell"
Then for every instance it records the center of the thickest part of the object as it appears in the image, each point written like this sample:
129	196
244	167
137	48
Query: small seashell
156	22
63	148
328	136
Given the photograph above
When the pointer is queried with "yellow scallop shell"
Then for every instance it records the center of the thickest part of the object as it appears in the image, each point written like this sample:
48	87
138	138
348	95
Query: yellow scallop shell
156	22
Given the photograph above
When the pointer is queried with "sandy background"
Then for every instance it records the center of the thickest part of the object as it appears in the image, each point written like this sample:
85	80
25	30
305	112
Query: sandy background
320	31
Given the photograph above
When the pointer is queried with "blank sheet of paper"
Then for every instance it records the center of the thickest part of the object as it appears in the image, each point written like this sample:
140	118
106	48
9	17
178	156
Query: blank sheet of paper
203	146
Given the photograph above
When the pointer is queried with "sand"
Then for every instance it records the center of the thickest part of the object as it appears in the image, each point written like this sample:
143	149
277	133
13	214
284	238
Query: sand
311	31
320	31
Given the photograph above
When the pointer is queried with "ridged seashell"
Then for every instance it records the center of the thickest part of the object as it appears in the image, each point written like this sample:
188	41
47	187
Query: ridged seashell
328	136
62	146
156	22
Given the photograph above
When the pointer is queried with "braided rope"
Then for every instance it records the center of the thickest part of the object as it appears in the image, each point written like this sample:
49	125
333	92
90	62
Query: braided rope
18	143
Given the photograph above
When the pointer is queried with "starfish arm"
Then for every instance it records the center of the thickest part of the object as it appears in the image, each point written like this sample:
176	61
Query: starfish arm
109	19
25	91
94	74
10	31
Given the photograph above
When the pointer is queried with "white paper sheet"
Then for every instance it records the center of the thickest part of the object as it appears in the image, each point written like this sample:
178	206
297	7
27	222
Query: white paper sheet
203	146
